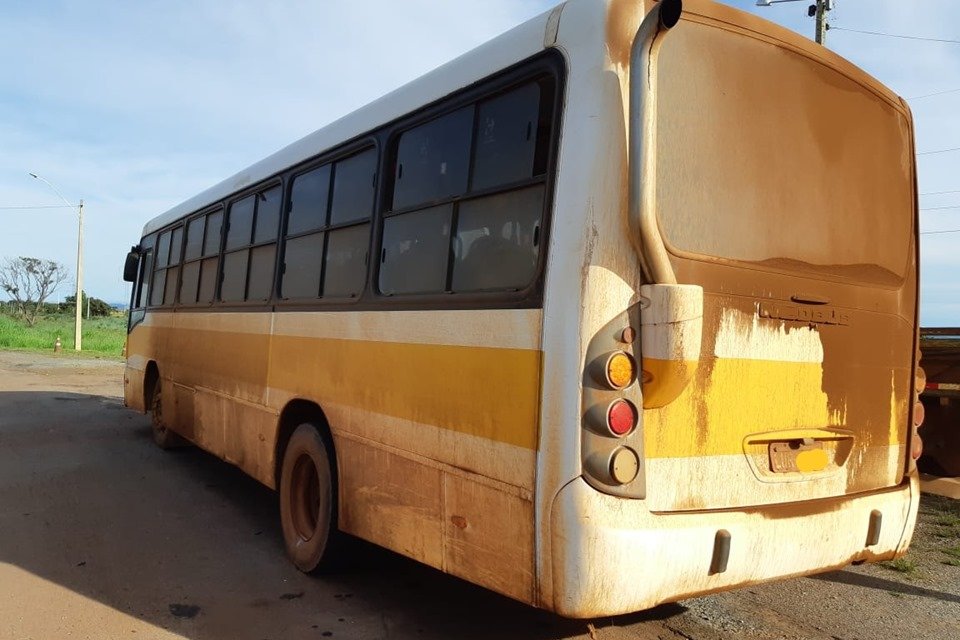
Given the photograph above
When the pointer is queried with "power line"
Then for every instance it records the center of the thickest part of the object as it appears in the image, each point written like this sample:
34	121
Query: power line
930	95
38	206
931	233
939	208
894	35
938	193
929	153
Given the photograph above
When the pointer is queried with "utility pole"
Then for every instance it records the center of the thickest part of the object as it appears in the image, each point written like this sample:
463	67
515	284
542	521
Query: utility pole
823	6
77	325
79	301
818	11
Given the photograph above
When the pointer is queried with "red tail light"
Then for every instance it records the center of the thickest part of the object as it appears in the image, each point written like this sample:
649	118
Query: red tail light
621	418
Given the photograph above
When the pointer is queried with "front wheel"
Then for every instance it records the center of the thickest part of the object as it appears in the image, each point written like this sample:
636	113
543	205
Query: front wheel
307	502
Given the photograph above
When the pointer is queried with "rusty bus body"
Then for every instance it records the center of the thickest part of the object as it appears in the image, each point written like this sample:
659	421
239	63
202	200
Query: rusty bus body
729	206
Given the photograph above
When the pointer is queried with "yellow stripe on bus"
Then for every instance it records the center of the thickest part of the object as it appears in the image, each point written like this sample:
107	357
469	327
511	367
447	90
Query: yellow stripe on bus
736	398
492	393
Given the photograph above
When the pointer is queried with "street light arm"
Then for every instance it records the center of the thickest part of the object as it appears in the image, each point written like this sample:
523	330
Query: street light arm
55	190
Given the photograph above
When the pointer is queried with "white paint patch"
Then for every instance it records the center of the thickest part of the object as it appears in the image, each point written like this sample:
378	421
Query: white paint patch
746	336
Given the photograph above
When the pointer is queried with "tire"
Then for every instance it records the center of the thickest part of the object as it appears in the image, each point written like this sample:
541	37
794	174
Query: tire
308	505
162	435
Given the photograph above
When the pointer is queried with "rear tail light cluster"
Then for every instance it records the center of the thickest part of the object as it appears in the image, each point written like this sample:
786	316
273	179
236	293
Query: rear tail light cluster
611	441
918	414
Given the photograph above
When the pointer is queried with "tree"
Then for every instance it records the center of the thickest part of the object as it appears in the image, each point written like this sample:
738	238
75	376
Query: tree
30	281
98	308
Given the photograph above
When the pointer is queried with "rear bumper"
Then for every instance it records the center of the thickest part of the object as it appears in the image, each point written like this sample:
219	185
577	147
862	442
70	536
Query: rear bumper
612	556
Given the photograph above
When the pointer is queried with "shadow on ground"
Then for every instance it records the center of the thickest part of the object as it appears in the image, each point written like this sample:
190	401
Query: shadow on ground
189	543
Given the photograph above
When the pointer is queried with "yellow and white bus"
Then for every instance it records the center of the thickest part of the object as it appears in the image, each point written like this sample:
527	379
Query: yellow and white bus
617	309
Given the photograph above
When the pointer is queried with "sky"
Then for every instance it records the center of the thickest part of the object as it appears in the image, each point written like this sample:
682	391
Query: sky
134	107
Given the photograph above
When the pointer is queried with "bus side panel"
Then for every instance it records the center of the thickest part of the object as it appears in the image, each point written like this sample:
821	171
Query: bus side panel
463	524
390	500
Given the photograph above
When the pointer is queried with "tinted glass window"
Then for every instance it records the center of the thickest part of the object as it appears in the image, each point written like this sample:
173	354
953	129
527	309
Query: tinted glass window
415	251
261	272
345	271
498	241
433	160
506	138
188	285
301	276
234	276
156	290
171	286
194	239
308	201
240	224
208	280
211	242
175	241
163	249
353	182
268	215
146	277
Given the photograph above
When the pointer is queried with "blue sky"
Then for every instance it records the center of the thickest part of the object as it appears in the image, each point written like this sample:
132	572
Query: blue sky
134	107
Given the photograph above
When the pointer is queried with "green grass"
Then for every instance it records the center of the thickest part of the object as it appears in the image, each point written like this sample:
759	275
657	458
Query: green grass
101	336
903	565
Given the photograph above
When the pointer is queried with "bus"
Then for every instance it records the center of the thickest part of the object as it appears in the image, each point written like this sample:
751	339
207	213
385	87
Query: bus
617	309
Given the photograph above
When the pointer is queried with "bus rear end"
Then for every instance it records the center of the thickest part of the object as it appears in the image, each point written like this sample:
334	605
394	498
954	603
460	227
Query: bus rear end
776	337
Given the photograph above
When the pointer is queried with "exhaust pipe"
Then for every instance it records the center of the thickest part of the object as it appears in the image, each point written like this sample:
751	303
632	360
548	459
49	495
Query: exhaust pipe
644	232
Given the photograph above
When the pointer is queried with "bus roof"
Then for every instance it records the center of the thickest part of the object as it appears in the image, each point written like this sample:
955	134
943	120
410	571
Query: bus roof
515	45
507	49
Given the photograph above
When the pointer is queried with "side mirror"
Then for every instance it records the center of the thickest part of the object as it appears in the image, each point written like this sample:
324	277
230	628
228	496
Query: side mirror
131	264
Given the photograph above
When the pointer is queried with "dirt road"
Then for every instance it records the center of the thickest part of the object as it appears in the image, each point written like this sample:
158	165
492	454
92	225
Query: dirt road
104	536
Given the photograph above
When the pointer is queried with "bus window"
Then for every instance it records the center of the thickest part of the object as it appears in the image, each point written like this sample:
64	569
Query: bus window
507	131
353	191
415	251
497	240
308	201
263	253
211	249
238	233
160	273
192	251
433	160
345	262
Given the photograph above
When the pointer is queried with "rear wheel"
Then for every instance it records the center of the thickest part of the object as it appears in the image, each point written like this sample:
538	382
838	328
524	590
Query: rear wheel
307	501
162	435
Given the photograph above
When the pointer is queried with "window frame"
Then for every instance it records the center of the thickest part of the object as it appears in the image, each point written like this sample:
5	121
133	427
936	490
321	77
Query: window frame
383	139
546	66
356	147
226	204
203	213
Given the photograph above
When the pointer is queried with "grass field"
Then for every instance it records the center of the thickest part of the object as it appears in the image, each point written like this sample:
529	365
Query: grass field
101	336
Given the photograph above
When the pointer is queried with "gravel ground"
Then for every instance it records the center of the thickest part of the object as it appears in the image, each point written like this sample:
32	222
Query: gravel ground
105	536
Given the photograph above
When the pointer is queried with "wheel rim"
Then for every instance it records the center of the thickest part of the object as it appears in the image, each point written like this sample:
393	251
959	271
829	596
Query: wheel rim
305	497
